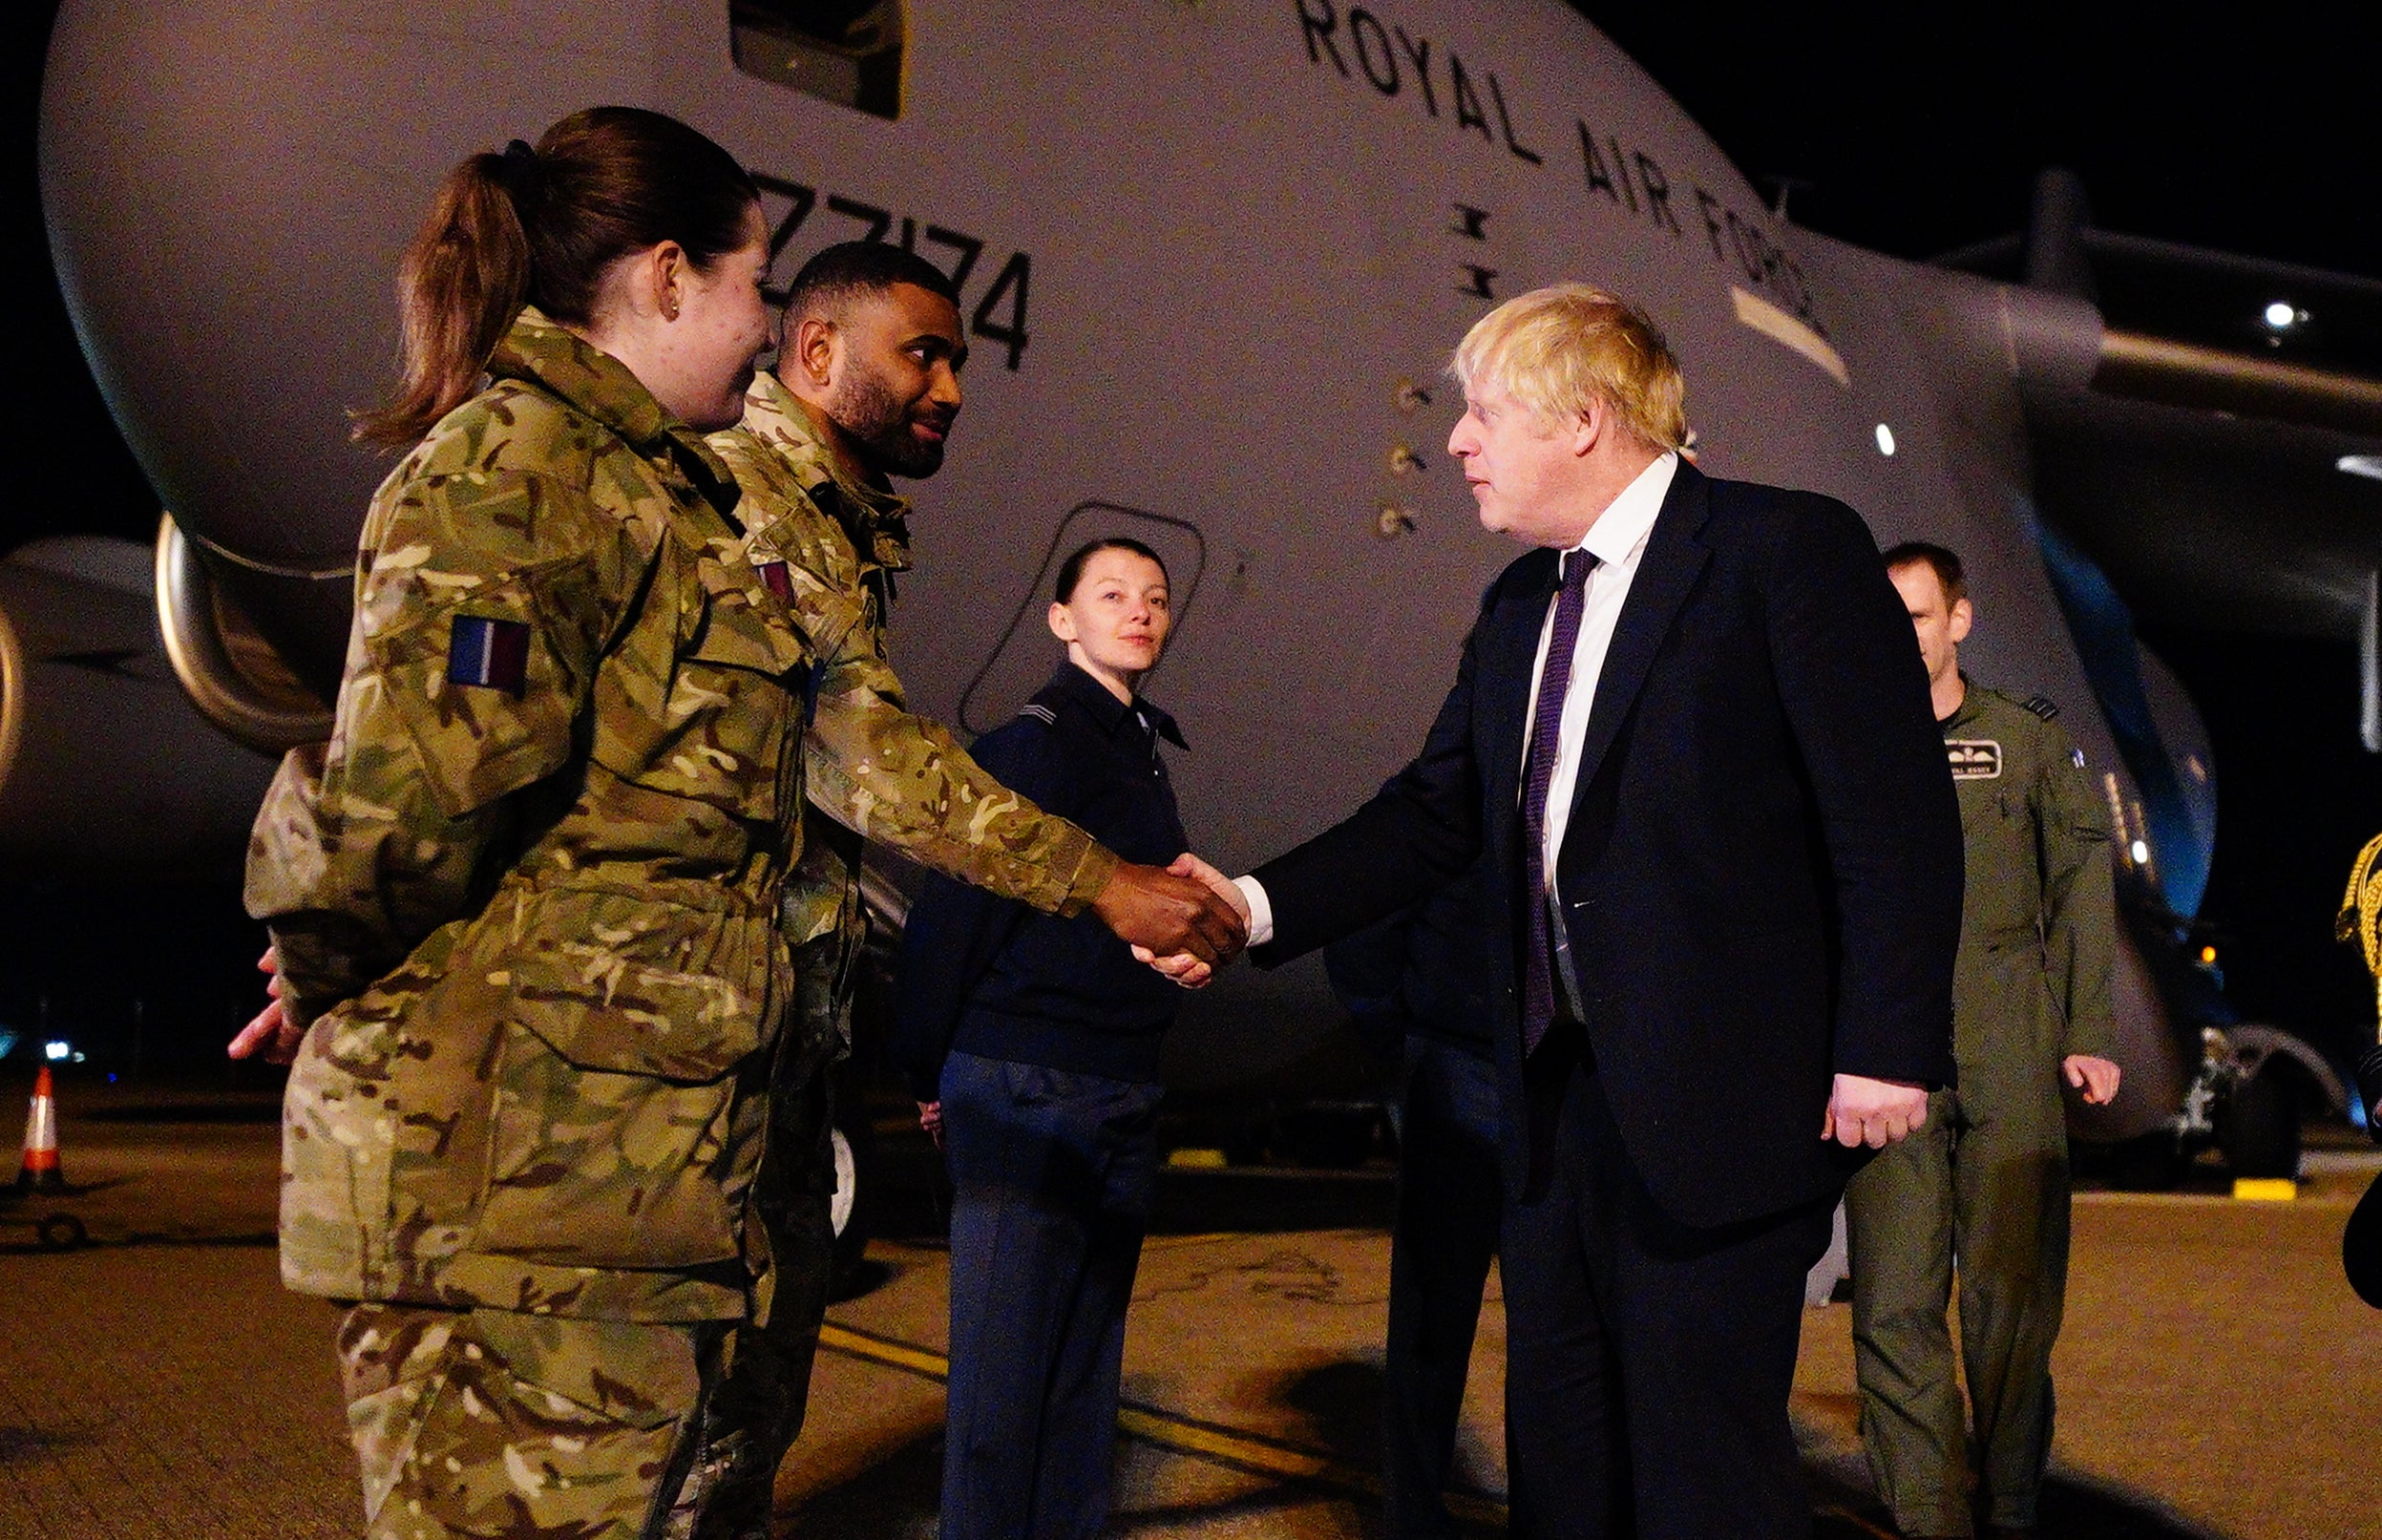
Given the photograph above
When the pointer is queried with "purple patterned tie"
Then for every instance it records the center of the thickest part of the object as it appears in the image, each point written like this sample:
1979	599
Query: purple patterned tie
1538	950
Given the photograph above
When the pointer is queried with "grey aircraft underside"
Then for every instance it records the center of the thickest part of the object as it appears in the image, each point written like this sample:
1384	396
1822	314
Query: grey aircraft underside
1213	256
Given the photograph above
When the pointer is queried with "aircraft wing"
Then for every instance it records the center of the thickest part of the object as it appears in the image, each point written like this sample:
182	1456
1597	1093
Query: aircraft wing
2217	447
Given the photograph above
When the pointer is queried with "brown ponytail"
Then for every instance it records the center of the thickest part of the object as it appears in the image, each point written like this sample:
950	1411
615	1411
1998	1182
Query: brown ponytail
459	285
541	227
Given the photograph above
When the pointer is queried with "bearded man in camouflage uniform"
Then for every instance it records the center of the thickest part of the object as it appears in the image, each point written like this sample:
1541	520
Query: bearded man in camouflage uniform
867	386
1982	1183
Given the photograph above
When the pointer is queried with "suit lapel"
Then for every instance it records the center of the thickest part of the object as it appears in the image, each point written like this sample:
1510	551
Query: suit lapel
1505	660
1673	557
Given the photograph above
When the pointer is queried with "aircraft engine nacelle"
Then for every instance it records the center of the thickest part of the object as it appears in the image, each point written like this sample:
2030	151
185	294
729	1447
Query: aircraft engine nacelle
104	763
233	671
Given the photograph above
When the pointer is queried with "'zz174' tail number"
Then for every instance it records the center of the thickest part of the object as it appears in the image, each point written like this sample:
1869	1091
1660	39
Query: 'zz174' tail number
1000	315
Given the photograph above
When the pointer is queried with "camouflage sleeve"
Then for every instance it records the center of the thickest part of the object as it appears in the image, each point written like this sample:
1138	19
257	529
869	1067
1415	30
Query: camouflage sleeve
482	606
2079	902
892	776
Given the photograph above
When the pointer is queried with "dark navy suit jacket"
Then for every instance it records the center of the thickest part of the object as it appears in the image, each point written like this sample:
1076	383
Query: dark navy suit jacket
1762	874
1423	970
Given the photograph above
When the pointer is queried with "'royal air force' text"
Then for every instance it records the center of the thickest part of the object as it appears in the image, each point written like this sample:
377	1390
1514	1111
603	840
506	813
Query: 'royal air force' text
1367	50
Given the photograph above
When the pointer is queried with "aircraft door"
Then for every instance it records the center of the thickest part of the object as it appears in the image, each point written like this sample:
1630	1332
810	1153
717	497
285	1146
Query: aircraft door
847	52
1027	652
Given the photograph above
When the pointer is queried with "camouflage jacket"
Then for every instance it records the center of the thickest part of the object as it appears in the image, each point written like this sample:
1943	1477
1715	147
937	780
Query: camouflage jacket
527	894
875	769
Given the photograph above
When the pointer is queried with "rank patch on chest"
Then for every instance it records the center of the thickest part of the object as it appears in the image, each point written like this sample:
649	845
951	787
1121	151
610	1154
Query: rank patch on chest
778	580
1974	759
493	654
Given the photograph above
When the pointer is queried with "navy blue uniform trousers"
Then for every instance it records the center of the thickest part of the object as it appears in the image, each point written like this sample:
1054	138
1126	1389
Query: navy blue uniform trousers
1052	1174
1444	1238
1648	1363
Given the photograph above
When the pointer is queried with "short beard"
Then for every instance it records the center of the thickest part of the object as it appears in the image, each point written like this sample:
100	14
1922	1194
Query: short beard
868	414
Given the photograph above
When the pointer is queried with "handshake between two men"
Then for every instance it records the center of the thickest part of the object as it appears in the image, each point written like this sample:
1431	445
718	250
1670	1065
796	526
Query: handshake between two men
1185	919
1217	915
1860	1110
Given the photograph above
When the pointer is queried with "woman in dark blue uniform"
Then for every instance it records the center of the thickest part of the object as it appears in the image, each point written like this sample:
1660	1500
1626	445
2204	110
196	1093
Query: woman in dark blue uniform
1031	1042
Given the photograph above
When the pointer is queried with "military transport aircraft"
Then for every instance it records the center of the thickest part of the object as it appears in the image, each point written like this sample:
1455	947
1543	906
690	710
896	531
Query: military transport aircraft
1213	255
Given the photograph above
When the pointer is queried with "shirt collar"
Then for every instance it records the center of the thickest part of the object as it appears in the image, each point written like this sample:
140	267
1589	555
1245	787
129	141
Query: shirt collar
1972	702
876	518
538	349
1626	522
1071	684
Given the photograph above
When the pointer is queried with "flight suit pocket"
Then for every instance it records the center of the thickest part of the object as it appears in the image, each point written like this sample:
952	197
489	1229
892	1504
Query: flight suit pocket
615	1083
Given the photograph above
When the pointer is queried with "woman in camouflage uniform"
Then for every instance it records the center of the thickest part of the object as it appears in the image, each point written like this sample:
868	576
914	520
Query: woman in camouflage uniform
525	899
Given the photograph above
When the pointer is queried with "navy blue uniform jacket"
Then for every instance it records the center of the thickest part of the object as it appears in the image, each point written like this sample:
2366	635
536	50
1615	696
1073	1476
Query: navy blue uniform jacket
1762	874
989	975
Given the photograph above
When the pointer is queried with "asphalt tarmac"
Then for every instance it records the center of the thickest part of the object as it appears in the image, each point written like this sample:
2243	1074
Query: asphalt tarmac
2217	1378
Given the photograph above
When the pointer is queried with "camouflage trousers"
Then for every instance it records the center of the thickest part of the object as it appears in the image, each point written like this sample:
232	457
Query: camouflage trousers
498	1423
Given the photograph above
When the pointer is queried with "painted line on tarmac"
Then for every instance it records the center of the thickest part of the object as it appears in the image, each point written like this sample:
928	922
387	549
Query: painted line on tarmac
886	1350
1236	1449
2104	1199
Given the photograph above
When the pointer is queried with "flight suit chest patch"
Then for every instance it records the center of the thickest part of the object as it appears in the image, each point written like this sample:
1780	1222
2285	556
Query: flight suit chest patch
1973	759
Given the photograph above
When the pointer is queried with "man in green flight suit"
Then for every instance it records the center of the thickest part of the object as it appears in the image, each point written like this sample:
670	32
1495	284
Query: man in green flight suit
1984	1183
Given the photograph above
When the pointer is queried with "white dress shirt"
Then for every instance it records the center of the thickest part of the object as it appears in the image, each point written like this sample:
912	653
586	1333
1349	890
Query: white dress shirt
1618	540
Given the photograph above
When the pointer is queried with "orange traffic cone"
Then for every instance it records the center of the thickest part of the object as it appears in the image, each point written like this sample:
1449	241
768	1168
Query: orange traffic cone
40	1172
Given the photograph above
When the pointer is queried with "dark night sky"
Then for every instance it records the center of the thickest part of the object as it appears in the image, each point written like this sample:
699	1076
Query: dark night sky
2247	130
